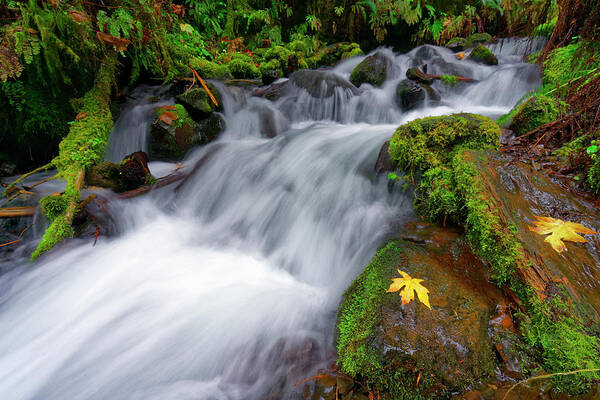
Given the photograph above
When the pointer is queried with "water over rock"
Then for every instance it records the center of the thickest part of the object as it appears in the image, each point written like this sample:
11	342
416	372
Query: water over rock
372	70
321	84
410	94
130	174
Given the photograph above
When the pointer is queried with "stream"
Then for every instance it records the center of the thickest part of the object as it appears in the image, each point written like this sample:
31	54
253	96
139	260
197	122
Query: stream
227	287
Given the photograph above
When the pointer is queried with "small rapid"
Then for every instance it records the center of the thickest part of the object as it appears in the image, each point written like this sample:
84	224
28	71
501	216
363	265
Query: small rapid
225	285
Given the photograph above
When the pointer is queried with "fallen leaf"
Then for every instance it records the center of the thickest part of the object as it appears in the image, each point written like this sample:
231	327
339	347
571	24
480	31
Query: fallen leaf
460	55
79	16
167	117
410	286
559	231
119	43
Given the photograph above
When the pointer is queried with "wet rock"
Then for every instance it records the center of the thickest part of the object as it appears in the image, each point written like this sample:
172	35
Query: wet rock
384	161
480	38
269	76
134	172
209	128
274	91
410	94
130	174
508	344
270	124
372	70
415	74
172	142
198	103
533	113
458	44
483	55
383	340
321	84
7	169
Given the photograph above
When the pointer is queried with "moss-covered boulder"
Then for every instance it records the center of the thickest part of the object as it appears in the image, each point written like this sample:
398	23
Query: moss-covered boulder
483	55
334	53
533	113
243	69
389	344
104	174
372	70
171	141
457	44
409	94
479	38
198	103
429	142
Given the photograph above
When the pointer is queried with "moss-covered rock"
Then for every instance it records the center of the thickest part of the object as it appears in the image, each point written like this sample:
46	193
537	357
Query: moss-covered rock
533	113
332	54
415	74
457	44
429	142
171	142
372	70
130	174
198	103
210	70
483	55
388	344
243	69
479	38
594	175
409	94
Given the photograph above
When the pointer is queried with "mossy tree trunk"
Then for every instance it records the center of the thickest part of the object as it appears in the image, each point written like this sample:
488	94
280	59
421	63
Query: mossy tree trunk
84	144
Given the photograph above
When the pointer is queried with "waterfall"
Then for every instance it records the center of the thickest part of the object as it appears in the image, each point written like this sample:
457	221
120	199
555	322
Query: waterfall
226	285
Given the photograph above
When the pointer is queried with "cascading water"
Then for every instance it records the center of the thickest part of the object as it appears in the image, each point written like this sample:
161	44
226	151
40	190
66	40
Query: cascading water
225	285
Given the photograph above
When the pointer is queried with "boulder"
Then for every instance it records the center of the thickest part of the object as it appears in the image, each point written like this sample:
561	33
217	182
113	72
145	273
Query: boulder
274	91
269	76
480	38
483	55
210	128
321	84
388	343
372	70
410	94
458	44
533	113
171	142
198	103
7	169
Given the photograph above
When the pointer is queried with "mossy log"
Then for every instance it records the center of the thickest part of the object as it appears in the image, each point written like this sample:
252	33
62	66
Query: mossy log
84	144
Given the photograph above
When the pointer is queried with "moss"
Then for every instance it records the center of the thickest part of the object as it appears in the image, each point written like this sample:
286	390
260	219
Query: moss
183	117
330	55
353	53
210	70
479	38
243	70
429	142
483	55
83	146
533	113
53	206
357	318
594	175
458	44
450	80
372	70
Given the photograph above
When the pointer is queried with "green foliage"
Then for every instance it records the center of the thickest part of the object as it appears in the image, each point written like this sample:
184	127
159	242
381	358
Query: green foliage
594	174
210	70
211	15
450	80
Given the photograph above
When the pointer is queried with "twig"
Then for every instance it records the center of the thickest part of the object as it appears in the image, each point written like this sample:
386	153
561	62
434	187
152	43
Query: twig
533	378
42	168
196	76
43	181
96	225
311	378
19	237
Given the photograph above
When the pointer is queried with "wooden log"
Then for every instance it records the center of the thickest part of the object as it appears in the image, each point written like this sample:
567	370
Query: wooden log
15	212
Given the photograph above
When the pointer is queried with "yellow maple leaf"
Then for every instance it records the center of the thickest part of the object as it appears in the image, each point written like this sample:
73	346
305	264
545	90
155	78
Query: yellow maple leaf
410	286
560	230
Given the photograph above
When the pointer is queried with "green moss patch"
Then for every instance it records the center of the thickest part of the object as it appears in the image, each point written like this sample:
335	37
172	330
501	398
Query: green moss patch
482	54
533	113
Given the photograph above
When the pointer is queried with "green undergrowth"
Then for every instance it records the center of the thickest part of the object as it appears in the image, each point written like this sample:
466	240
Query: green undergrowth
83	146
357	318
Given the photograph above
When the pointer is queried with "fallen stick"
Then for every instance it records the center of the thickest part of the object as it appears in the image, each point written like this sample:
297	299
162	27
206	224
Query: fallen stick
164	181
15	212
42	168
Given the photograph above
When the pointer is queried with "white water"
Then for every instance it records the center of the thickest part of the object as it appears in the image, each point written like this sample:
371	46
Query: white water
226	286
